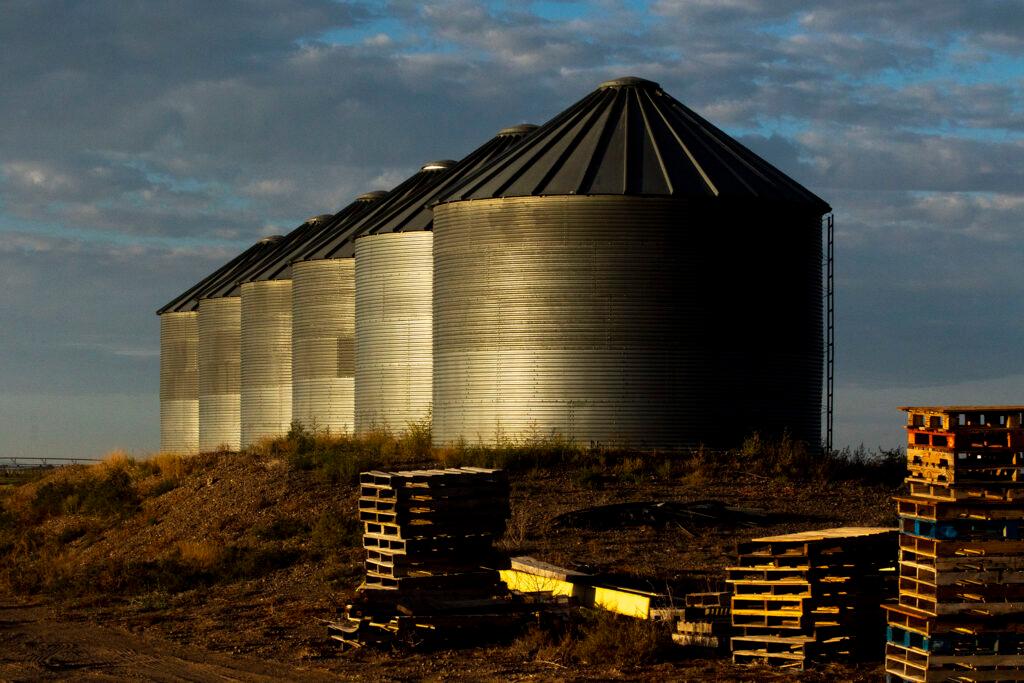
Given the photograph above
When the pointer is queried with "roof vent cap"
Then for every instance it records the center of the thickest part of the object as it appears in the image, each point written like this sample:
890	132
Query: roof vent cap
629	82
438	165
270	239
317	220
371	196
521	129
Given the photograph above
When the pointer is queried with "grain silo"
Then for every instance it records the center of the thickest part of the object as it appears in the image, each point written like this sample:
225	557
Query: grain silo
323	331
629	275
394	298
219	325
179	392
338	245
180	348
266	338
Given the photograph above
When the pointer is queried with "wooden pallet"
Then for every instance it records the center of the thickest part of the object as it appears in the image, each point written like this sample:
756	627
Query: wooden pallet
968	529
927	624
987	643
708	599
964	439
489	518
838	543
433	478
436	493
451	544
917	665
927	508
968	573
1001	493
383	568
964	418
474	580
949	467
929	547
965	602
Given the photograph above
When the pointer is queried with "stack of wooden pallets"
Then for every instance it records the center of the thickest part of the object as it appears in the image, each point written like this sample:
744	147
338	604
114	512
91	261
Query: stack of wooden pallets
704	621
960	615
813	595
430	568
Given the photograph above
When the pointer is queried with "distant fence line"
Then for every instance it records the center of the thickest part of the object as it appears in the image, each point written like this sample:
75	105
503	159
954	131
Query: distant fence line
17	463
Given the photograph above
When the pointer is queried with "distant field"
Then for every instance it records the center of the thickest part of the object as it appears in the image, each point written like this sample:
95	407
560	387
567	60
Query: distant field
13	476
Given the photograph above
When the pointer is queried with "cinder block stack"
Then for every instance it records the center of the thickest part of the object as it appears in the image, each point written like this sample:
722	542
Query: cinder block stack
960	615
813	595
430	568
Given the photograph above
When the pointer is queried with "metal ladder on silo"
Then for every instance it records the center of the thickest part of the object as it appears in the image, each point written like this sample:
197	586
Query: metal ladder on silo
830	334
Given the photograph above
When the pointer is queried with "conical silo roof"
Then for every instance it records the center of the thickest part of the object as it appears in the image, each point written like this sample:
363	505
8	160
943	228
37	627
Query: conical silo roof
408	207
337	242
218	279
228	285
417	214
629	137
277	264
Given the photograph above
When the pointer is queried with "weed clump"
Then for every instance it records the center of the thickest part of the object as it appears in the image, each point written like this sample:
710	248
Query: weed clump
339	458
596	637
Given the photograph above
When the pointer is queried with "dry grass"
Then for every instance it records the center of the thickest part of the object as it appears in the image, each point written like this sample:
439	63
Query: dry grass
201	555
595	637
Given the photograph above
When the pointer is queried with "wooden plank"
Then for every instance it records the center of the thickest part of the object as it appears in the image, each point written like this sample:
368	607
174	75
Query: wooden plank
530	565
624	601
527	582
827	534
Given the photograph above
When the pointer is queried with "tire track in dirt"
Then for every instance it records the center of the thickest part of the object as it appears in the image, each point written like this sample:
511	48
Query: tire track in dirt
36	646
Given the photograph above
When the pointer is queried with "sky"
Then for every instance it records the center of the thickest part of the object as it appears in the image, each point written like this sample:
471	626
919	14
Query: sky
143	144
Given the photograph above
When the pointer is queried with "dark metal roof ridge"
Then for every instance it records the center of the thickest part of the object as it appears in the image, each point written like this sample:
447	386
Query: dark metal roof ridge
189	299
629	137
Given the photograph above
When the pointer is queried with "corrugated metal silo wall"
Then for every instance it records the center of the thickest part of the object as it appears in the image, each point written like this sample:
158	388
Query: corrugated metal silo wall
179	392
220	325
266	359
616	320
323	343
394	348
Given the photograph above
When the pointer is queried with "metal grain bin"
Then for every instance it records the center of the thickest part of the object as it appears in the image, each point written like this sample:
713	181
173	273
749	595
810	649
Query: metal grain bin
630	275
323	343
176	359
323	328
394	364
179	392
394	272
214	419
220	324
266	346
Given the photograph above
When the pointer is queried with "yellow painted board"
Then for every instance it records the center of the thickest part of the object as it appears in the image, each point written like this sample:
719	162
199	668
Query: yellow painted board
622	602
531	583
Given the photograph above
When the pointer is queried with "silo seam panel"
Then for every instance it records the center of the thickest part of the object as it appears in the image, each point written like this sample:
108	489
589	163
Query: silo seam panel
394	347
179	389
220	322
266	346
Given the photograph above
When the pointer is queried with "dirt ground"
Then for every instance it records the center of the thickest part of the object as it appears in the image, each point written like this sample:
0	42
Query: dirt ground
270	626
